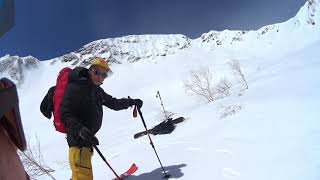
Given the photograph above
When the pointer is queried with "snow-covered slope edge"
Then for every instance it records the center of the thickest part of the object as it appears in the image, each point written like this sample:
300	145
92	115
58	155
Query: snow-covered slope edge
289	36
273	136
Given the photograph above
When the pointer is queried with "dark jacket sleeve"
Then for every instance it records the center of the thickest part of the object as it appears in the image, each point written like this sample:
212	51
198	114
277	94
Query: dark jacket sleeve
114	103
68	109
46	106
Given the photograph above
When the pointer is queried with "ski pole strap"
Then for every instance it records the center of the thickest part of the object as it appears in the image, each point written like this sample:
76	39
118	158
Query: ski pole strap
135	112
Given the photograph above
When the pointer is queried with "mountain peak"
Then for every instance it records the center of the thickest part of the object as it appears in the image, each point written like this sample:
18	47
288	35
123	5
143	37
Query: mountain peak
128	48
14	66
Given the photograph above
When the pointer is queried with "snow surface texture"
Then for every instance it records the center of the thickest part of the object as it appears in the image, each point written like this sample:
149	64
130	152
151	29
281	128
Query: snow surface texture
274	135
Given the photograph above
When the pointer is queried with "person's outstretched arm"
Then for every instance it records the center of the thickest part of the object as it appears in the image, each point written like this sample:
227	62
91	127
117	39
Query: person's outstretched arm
119	104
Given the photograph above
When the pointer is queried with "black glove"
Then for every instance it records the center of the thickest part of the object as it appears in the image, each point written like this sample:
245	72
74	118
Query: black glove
87	136
94	141
137	102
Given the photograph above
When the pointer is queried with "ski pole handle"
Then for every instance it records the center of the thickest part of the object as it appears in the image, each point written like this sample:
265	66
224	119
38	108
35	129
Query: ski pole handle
134	113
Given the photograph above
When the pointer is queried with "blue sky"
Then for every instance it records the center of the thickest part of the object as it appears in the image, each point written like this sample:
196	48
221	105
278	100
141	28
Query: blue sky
50	28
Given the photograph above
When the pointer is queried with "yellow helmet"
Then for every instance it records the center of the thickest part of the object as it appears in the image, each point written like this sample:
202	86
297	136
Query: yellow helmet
100	62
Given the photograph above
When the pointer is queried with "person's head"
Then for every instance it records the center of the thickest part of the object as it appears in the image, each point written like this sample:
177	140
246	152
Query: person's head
98	70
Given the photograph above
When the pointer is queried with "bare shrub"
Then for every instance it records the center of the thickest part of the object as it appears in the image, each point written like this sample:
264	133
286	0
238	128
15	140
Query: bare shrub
161	116
223	88
229	110
167	115
202	84
33	162
235	65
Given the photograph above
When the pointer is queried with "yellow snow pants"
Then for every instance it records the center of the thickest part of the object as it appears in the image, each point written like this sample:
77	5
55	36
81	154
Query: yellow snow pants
80	163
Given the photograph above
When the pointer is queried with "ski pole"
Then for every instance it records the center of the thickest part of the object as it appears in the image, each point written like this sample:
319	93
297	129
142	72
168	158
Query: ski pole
104	159
164	111
144	123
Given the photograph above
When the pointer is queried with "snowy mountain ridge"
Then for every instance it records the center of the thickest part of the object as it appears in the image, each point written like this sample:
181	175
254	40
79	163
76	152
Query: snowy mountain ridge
130	48
133	48
285	36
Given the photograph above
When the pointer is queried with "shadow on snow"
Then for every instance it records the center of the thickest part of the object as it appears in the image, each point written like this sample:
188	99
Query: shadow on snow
157	174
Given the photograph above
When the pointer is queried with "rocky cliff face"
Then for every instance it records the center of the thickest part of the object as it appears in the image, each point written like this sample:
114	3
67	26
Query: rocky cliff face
14	67
128	49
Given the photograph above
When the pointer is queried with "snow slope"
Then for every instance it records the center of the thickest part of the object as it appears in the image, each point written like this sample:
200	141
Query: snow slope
273	136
